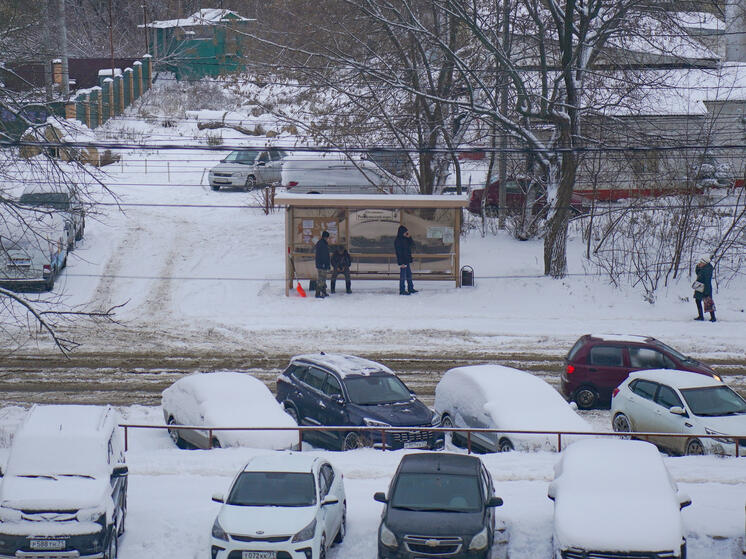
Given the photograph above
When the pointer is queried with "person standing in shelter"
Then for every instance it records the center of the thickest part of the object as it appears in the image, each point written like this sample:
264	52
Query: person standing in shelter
322	265
702	298
403	245
341	263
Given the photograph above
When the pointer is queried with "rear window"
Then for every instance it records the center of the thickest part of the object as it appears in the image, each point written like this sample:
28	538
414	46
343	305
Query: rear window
607	356
574	350
57	200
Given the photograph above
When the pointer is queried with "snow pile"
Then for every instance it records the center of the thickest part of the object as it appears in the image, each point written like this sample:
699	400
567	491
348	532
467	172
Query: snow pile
227	399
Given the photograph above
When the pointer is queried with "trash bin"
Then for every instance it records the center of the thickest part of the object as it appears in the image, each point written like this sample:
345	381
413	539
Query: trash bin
467	276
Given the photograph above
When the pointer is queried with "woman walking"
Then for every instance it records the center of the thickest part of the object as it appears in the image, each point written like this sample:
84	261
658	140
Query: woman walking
703	289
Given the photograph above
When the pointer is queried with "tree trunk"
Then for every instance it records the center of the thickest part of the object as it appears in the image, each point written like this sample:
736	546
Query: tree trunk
555	240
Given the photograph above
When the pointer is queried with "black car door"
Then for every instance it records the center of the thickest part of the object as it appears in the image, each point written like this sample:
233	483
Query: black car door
312	398
333	406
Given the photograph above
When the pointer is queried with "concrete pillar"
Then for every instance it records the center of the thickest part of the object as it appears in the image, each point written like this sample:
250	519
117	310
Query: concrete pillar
128	97
147	62
118	94
137	67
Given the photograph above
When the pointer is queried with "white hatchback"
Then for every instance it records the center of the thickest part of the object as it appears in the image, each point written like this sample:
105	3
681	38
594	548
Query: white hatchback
284	505
668	401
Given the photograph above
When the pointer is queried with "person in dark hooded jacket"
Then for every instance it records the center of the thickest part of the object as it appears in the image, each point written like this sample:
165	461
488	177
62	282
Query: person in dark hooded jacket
403	245
322	265
704	271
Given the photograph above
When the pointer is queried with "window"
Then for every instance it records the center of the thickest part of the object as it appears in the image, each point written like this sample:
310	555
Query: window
607	356
646	358
264	157
315	378
668	398
644	388
332	386
298	371
327	477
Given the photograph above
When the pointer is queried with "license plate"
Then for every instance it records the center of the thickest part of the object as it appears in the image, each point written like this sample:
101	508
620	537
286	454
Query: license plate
259	555
415	444
47	544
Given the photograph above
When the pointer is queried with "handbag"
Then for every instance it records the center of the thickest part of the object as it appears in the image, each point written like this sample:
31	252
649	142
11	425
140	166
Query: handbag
698	286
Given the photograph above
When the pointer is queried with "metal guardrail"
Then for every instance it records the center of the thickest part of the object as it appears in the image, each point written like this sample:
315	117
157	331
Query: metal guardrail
468	431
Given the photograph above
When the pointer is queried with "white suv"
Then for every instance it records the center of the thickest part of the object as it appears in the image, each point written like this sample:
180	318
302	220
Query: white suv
281	505
669	401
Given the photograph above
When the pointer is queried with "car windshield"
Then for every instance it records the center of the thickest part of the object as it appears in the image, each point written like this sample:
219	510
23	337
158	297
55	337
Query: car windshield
57	200
677	354
437	492
376	389
714	401
273	489
242	156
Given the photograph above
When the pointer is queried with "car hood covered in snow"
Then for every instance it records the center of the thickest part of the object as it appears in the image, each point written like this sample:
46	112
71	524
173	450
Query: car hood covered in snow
53	493
265	521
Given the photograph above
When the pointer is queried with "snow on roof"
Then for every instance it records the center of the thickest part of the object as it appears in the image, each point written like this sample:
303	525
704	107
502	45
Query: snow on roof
700	20
205	16
373	200
223	385
107	72
282	462
655	37
677	379
633	338
344	364
627	504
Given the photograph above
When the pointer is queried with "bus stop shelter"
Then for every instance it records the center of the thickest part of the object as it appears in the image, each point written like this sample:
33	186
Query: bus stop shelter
366	225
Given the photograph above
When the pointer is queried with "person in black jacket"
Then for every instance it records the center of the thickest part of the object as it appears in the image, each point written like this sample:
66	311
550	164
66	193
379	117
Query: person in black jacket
704	271
322	265
403	245
341	263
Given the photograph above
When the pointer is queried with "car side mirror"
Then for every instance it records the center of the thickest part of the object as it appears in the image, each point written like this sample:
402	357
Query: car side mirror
380	497
494	502
329	501
552	491
218	498
338	399
261	163
678	410
119	471
1	472
684	500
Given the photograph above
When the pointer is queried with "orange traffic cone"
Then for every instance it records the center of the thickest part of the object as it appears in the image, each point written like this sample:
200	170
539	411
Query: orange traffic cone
300	290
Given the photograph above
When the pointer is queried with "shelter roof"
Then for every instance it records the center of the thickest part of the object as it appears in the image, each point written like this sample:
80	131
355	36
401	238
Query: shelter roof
371	200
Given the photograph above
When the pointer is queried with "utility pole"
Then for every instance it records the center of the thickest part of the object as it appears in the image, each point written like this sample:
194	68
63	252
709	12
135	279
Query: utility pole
46	60
145	27
63	48
503	172
111	43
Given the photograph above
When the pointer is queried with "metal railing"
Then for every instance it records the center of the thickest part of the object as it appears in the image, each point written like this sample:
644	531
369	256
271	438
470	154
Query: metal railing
732	439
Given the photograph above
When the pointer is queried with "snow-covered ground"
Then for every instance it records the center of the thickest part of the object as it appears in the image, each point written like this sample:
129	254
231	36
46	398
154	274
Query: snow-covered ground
170	511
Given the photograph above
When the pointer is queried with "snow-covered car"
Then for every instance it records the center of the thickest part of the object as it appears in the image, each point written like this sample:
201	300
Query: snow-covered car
248	168
33	248
62	200
226	399
497	397
669	401
281	505
335	175
64	491
615	498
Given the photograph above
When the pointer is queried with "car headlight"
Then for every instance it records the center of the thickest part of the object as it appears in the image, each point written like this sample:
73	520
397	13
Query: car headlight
91	515
9	515
307	533
217	531
387	537
480	541
375	423
435	420
722	439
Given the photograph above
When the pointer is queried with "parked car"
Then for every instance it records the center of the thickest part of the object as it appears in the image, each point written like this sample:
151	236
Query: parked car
282	505
665	401
497	397
515	199
64	491
63	200
344	390
226	399
33	249
597	364
248	168
335	175
441	505
629	507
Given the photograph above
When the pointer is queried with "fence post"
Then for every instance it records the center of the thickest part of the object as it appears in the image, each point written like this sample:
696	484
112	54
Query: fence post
128	75
147	62
137	67
126	441
300	439
210	434
559	442
468	442
383	440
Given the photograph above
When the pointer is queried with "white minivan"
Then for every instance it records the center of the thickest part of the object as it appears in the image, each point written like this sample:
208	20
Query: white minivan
64	490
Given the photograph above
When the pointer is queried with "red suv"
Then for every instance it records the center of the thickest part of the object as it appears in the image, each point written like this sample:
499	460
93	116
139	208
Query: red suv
596	365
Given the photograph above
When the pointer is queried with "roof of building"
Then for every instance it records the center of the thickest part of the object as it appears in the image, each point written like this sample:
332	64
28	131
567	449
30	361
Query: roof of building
205	16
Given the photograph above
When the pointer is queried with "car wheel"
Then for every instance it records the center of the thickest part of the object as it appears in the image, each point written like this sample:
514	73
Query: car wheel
216	443
175	434
342	527
447	423
504	445
292	412
695	448
215	187
112	548
586	398
250	182
353	441
621	424
322	548
120	529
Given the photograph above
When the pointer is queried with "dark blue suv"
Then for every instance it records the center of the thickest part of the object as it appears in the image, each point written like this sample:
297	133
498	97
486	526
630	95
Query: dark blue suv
344	390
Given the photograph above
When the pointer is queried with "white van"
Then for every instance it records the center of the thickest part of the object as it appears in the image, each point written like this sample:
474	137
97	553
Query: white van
308	174
63	493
